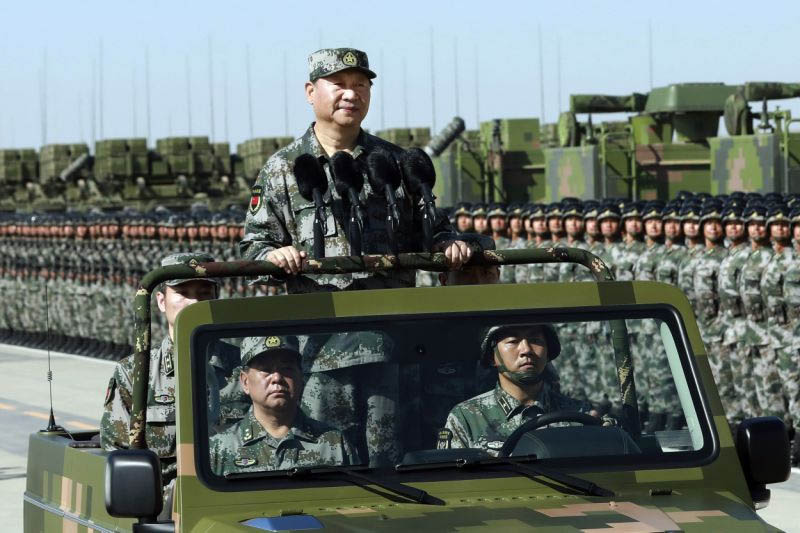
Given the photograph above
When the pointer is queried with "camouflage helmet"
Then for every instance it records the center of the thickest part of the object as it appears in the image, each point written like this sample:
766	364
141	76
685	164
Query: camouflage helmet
327	61
253	347
189	259
493	334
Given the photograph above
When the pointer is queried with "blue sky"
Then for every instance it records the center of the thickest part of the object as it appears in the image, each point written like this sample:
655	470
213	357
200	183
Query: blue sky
603	49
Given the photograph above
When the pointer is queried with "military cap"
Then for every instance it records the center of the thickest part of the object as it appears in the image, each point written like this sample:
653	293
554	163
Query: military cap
219	219
515	210
571	209
591	209
777	213
652	210
791	200
684	196
755	213
773	197
462	208
329	61
537	211
794	214
553	210
479	210
188	259
497	210
608	210
732	213
253	347
494	333
711	211
632	210
690	211
527	209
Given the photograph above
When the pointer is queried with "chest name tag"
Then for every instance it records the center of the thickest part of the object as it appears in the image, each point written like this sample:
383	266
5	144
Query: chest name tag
245	461
164	399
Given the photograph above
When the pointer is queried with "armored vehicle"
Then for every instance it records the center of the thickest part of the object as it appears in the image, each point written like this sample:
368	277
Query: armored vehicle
456	450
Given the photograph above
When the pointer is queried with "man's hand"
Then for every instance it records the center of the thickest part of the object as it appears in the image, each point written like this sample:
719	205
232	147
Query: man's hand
288	258
456	253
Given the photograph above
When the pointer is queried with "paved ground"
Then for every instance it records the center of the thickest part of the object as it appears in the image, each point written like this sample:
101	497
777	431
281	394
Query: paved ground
79	384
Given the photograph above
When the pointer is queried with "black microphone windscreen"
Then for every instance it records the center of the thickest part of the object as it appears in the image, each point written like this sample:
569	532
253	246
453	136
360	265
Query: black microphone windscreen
309	175
418	169
382	170
345	171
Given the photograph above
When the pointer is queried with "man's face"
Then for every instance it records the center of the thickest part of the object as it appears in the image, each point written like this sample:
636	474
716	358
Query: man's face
609	227
691	228
712	230
779	231
734	230
796	231
555	225
515	224
539	225
592	227
672	229
173	299
191	232
341	98
633	226
464	223
480	224
528	225
204	231
757	231
523	350
654	228
498	223
574	226
273	381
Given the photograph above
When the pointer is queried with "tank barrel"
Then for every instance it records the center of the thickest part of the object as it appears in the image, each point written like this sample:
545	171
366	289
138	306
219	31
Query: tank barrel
604	103
768	90
444	138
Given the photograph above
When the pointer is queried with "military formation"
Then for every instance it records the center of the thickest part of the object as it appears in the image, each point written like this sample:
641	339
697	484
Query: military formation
736	257
69	278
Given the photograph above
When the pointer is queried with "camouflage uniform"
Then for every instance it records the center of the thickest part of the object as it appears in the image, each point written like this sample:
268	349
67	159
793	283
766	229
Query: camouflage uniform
248	447
486	421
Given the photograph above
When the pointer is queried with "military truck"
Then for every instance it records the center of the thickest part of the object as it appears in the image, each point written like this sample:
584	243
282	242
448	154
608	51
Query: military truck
764	158
562	469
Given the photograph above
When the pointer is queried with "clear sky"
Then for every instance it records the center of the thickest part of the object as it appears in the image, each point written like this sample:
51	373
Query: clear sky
490	47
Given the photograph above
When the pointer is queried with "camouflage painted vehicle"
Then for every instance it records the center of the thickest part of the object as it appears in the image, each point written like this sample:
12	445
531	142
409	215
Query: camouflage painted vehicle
562	477
762	159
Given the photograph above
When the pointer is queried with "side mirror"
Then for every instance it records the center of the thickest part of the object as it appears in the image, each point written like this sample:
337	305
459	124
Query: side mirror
133	485
763	447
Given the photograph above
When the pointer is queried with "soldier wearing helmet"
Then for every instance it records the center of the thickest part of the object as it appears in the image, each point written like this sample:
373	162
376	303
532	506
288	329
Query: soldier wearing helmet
525	389
275	434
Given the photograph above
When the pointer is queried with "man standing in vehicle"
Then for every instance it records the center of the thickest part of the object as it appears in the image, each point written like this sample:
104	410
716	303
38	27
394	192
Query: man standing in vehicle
524	390
275	434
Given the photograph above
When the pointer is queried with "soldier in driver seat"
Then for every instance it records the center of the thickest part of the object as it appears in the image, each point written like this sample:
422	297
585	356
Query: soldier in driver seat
525	389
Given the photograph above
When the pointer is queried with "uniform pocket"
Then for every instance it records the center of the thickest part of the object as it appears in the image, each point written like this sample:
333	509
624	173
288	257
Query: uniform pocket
304	220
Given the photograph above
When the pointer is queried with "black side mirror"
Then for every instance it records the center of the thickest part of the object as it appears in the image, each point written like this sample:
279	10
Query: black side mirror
763	447
133	485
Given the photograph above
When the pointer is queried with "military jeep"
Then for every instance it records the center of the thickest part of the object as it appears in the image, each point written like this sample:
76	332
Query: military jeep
562	470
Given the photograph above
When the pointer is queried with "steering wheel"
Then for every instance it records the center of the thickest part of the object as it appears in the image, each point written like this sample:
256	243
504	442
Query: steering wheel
544	420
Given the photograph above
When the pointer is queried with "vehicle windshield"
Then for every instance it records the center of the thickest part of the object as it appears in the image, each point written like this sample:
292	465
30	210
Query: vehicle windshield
396	392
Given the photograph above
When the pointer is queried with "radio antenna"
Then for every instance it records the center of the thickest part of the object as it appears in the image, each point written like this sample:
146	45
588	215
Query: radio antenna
51	424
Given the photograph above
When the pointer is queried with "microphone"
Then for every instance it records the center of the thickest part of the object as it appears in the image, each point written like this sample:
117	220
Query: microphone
313	184
420	177
384	176
349	181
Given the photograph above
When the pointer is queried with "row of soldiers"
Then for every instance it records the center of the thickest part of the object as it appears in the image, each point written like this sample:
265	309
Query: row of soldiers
69	278
736	257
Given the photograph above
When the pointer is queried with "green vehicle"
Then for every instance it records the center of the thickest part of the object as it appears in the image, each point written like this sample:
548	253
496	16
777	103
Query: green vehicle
579	472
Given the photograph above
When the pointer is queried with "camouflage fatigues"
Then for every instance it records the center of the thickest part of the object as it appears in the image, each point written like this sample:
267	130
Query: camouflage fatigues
248	447
487	420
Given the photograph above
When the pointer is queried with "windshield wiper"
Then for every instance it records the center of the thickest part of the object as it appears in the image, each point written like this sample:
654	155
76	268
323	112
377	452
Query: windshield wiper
518	464
412	493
